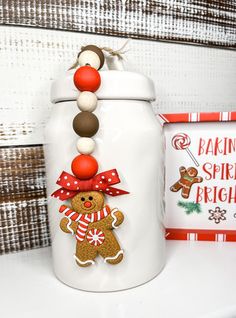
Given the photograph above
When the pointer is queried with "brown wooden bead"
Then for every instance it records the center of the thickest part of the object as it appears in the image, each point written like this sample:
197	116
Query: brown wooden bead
85	124
96	50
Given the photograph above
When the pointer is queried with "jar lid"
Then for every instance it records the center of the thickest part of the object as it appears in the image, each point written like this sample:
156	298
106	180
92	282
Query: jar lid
114	85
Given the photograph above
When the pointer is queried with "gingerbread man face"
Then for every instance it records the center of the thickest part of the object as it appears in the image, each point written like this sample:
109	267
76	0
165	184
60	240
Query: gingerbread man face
88	202
192	172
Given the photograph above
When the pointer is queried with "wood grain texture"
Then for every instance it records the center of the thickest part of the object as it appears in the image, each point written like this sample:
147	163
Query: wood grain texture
200	22
23	209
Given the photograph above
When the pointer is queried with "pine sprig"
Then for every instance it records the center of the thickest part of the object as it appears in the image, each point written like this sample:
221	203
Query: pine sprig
190	207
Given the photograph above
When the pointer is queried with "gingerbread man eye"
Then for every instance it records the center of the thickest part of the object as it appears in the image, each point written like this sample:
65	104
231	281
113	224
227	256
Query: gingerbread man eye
90	198
82	199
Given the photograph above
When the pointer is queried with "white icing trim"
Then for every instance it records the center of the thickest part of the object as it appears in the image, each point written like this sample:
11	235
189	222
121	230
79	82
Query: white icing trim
84	263
114	218
68	226
114	257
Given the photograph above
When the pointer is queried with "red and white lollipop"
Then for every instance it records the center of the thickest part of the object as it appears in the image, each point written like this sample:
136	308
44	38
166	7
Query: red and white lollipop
182	141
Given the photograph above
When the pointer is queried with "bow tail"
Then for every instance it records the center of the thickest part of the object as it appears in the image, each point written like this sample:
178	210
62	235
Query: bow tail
114	191
63	194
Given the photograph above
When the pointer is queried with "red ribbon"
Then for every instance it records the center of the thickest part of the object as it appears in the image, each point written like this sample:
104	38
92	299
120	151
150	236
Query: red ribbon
70	185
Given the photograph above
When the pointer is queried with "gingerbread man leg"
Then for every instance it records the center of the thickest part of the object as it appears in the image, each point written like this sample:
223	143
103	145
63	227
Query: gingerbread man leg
176	187
85	254
186	191
110	250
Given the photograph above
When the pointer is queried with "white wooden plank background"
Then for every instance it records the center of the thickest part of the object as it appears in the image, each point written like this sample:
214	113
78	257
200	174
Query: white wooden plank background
187	78
198	21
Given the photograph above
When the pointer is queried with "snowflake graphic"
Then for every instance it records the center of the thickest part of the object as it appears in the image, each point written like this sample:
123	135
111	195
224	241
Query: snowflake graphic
217	215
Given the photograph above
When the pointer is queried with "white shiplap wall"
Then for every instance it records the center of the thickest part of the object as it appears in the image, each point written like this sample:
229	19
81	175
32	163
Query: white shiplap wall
187	78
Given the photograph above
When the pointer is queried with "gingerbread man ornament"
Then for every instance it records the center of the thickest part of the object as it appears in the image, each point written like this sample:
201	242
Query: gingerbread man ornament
88	219
92	223
187	178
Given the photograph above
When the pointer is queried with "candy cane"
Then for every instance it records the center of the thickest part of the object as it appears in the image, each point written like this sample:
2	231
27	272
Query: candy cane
182	141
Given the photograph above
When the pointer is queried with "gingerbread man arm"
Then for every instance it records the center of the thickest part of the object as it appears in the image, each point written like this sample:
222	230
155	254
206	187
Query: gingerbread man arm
113	220
68	226
197	179
182	171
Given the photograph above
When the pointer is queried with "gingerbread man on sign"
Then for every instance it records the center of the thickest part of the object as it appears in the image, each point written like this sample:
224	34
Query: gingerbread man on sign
187	178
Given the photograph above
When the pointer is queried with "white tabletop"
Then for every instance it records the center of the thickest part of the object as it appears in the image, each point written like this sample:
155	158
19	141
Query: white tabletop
199	280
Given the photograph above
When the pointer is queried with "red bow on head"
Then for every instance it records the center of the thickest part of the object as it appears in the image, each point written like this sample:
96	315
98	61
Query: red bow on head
70	185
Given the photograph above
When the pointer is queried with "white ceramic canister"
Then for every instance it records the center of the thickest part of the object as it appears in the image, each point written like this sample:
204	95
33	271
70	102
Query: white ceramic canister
129	140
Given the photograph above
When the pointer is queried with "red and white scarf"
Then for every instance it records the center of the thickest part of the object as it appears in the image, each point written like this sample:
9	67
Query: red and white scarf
84	219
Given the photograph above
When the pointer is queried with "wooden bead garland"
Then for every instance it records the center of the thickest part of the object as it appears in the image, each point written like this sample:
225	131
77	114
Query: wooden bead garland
84	166
85	124
86	188
87	101
89	58
85	145
86	78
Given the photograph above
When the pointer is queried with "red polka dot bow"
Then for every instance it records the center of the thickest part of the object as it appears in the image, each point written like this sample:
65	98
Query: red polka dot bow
70	185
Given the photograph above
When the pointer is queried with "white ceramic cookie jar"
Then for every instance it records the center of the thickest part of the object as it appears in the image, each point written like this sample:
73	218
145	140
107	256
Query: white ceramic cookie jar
129	140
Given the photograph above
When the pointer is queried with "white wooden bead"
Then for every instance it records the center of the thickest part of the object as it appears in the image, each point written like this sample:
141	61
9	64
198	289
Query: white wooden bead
85	145
87	101
89	57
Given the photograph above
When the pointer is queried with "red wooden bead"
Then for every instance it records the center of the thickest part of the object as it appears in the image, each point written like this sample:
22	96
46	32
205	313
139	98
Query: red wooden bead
84	166
86	78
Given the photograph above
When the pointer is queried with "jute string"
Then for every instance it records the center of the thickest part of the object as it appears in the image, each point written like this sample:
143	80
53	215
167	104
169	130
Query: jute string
119	53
